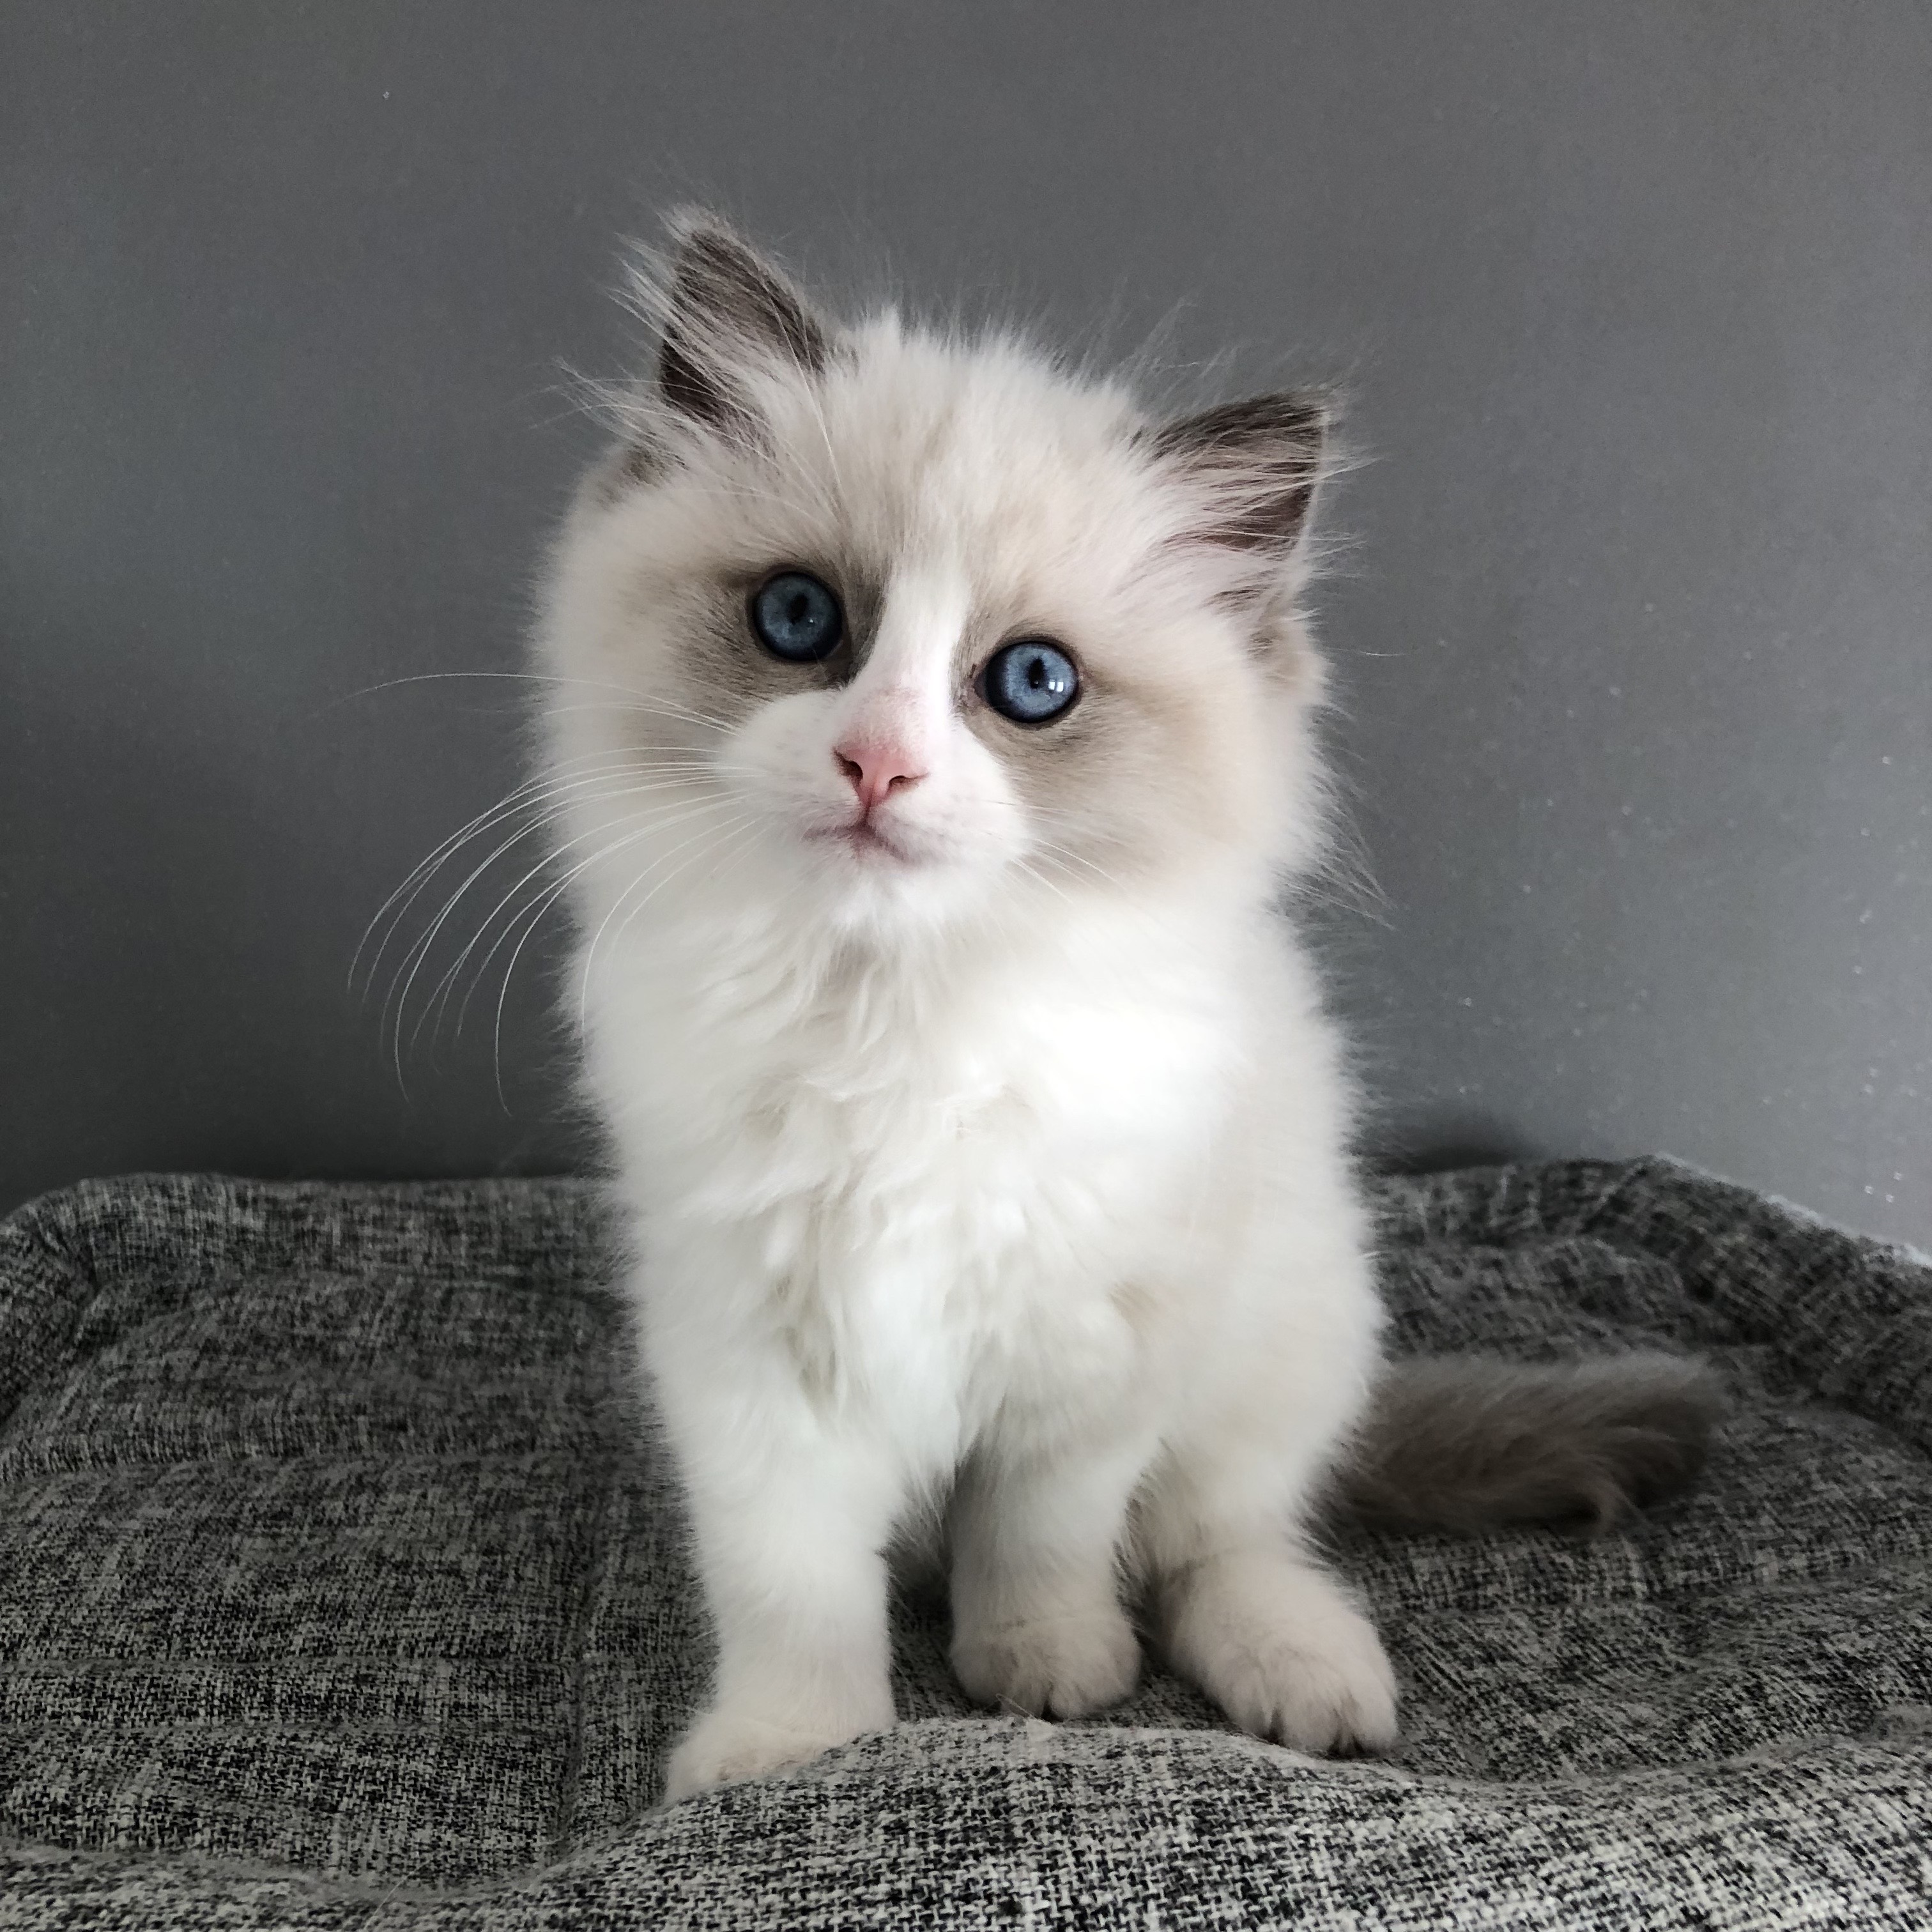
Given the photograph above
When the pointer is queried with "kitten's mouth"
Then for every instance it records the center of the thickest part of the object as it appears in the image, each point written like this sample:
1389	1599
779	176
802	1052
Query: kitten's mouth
868	842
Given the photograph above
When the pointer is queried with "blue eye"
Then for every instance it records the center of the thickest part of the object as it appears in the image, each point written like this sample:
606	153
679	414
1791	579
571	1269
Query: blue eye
797	618
1029	682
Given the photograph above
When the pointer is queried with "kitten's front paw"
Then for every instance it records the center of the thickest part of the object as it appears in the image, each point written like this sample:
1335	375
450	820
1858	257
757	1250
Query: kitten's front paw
1299	1665
1274	1684
725	1745
1061	1667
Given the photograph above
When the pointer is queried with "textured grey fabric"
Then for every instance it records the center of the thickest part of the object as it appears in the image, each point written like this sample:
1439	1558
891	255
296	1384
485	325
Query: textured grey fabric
339	1588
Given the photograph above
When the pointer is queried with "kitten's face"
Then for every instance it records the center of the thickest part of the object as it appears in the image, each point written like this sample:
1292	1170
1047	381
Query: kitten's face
932	628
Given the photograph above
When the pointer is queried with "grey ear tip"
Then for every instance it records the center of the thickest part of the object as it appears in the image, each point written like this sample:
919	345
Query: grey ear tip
706	245
1321	401
689	219
1293	422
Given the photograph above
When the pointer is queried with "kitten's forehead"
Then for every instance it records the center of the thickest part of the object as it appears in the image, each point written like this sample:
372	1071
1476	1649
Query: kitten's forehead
933	458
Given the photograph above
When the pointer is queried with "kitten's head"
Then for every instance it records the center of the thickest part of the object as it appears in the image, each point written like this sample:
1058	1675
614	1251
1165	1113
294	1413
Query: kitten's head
903	629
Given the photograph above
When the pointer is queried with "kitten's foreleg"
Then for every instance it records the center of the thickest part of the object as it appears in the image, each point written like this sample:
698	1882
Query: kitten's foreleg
791	1521
1036	1617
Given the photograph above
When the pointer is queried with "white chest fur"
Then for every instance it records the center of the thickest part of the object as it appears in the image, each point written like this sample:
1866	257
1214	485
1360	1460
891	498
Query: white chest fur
942	1188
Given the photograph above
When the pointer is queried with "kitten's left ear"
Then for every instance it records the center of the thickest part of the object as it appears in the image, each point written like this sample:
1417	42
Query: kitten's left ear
731	319
1251	469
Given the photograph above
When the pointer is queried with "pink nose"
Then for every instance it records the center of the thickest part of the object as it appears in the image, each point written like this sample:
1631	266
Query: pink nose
875	770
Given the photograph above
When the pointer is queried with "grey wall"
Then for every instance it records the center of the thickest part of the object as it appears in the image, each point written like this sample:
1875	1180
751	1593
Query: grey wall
1633	634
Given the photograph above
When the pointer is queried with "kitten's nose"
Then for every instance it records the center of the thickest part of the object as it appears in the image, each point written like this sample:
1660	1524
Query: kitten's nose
875	770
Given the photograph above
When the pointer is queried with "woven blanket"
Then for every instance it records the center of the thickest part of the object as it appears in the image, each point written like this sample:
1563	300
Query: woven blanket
342	1585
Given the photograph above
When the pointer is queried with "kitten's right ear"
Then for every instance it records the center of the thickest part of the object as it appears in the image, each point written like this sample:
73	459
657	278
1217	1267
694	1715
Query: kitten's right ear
1252	469
730	320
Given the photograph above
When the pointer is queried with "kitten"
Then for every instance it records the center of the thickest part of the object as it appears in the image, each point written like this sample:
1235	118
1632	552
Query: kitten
935	744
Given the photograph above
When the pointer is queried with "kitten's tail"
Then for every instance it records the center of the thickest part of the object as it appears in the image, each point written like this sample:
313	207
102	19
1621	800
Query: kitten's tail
1466	1443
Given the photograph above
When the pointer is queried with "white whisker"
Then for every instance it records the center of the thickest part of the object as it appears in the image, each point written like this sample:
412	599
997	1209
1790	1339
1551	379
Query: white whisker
751	816
544	801
543	905
525	797
653	823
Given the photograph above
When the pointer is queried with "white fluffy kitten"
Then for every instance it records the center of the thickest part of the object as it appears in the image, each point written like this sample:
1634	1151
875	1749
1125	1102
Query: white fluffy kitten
936	747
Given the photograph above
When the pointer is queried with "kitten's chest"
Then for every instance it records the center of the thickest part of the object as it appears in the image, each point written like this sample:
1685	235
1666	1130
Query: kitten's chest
947	1189
976	1111
978	1219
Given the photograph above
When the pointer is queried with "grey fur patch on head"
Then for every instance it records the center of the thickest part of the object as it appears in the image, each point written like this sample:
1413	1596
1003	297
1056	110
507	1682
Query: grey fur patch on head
727	304
1470	1443
1255	463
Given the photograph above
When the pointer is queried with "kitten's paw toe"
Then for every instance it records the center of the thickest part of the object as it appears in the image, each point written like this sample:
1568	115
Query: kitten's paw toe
726	1745
1289	1658
1320	1701
1059	1667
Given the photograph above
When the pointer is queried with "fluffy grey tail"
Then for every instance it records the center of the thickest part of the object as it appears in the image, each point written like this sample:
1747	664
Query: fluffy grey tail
1466	1443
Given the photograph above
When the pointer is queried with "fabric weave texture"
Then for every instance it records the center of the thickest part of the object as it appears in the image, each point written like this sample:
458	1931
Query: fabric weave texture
342	1584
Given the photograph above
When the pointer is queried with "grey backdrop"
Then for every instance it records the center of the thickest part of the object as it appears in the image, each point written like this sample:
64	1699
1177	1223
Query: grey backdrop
1633	634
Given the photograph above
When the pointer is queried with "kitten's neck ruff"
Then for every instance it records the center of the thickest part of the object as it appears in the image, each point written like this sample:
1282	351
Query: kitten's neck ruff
722	958
748	1052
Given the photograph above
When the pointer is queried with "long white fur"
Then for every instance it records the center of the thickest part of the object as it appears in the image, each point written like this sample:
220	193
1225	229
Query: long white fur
1010	1171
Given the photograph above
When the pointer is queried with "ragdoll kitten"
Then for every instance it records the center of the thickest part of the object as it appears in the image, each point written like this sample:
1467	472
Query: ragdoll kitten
933	730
